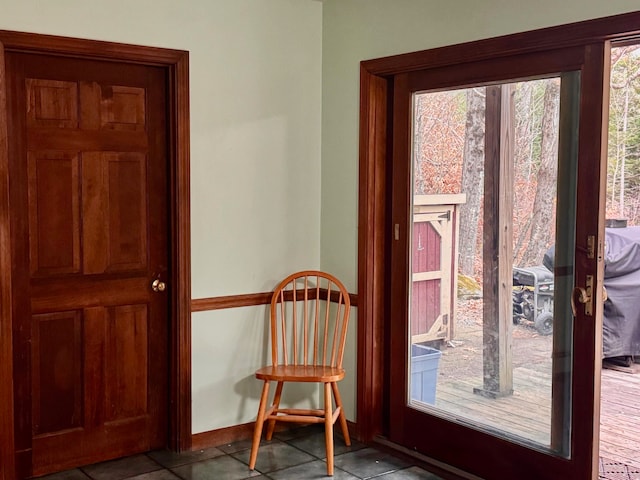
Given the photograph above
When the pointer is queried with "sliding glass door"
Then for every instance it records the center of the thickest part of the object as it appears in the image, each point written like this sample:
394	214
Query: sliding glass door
494	256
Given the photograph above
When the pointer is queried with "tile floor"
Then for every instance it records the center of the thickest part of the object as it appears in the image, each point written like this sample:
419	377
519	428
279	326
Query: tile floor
292	455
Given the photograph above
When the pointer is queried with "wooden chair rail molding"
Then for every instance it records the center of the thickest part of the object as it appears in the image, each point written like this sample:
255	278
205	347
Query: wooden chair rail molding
245	300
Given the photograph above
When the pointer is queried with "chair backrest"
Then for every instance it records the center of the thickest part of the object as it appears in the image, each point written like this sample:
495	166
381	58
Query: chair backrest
309	318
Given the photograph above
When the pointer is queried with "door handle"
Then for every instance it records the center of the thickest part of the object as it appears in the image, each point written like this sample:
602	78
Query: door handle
583	295
158	285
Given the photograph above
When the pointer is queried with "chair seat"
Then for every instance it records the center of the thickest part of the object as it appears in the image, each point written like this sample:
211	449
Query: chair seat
300	373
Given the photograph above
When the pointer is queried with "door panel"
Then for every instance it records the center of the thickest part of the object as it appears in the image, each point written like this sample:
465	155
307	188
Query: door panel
89	167
57	374
515	419
51	103
54	193
126	387
114	211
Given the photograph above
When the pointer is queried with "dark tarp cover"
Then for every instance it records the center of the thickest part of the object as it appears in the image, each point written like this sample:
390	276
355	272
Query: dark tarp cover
621	324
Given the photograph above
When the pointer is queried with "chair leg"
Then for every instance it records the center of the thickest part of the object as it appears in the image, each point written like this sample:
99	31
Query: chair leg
271	423
328	427
342	417
257	431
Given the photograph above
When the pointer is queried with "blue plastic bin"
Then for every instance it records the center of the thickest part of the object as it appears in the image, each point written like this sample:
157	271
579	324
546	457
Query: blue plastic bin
424	373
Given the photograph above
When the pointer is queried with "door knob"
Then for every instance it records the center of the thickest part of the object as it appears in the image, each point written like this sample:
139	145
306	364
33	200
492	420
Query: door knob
583	295
158	285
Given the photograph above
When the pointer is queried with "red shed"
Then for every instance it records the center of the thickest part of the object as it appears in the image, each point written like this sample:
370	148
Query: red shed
434	266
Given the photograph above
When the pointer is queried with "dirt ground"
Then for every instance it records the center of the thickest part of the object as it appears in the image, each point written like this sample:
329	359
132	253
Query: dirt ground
462	356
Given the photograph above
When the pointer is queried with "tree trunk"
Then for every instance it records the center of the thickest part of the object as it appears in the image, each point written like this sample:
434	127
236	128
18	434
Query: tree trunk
526	119
623	155
542	226
419	187
472	179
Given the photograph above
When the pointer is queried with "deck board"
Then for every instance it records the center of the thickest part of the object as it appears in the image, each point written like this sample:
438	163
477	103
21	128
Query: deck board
620	417
527	413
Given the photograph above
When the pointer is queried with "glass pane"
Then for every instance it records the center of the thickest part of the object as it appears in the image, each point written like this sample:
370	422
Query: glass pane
486	317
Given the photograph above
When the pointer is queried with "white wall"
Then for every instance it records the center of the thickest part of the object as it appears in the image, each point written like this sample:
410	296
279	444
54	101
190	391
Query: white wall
255	69
356	30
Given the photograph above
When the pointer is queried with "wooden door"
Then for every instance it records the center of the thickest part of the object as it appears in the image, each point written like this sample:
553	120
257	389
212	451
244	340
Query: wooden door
88	195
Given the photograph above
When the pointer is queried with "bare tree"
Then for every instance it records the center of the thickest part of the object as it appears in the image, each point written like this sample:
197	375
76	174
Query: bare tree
472	179
438	143
543	205
624	74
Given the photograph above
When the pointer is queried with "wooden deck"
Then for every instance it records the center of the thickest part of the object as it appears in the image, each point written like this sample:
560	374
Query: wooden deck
527	413
620	417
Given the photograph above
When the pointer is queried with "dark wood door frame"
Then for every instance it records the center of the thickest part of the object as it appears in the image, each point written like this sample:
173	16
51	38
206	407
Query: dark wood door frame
375	167
176	64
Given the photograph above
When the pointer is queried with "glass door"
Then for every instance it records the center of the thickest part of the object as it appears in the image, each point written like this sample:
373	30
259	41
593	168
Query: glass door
492	291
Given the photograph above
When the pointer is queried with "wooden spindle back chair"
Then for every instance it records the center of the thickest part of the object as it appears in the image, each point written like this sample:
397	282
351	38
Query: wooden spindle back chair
309	318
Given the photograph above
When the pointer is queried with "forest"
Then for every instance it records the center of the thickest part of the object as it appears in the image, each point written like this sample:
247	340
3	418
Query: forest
448	146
